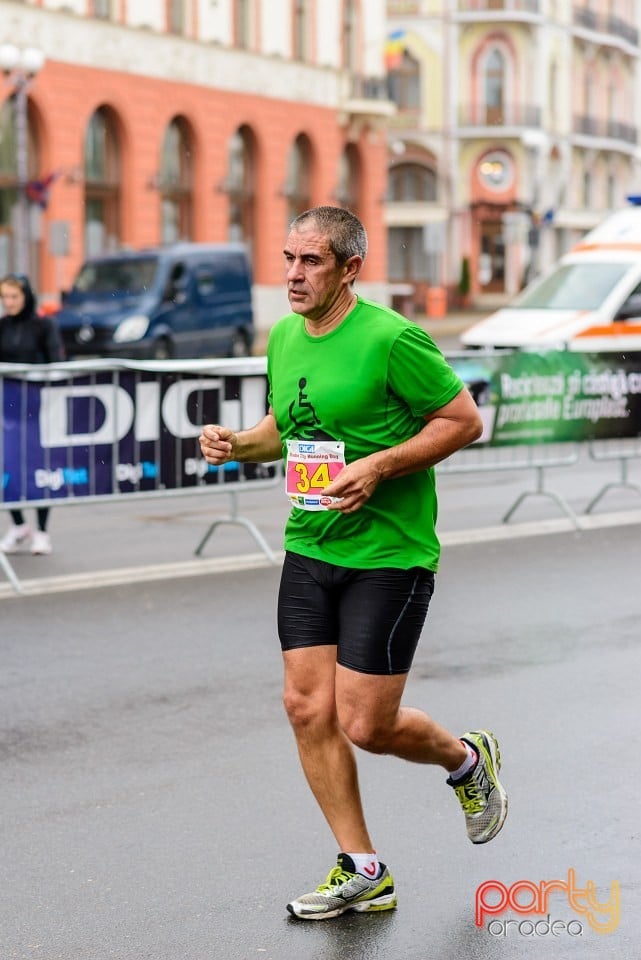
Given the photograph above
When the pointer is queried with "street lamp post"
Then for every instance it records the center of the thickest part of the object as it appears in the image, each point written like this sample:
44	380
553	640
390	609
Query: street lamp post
20	67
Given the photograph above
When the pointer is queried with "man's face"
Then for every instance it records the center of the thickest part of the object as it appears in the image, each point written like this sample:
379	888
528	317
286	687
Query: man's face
13	299
314	280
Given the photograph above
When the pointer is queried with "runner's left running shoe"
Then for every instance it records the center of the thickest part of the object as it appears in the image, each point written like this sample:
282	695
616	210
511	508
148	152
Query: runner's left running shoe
480	793
345	889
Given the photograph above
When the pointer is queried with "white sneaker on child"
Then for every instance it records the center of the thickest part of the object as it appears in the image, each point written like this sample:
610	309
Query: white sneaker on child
41	543
16	538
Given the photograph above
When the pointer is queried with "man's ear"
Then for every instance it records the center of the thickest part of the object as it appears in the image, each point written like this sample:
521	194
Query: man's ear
352	268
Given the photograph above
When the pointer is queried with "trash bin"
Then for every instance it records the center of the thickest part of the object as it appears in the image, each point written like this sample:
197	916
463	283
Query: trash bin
436	305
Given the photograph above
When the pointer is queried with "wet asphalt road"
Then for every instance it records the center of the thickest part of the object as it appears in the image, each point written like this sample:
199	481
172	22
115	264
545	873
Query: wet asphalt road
152	805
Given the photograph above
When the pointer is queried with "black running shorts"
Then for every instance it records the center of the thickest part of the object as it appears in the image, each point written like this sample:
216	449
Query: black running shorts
373	617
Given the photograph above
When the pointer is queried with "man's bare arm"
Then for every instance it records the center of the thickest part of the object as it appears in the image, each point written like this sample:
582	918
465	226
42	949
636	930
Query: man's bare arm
447	430
259	444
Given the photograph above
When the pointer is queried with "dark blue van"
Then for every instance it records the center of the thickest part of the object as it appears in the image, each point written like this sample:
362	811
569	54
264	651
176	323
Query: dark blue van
183	300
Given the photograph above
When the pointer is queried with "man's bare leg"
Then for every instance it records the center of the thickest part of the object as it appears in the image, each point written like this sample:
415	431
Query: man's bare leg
370	713
326	755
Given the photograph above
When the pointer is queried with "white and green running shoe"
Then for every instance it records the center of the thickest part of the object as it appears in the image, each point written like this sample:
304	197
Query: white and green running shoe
480	793
345	889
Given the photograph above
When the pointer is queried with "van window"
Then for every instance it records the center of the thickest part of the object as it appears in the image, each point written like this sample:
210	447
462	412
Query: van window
117	276
574	286
205	281
177	285
631	308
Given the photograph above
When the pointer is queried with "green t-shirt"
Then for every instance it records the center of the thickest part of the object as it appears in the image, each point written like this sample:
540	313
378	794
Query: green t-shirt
369	382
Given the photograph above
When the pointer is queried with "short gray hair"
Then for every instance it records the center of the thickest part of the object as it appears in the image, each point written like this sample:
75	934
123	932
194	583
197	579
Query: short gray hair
345	233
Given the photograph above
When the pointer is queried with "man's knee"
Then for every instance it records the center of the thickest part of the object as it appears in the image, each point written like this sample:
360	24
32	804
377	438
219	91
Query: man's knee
306	709
297	706
366	731
310	679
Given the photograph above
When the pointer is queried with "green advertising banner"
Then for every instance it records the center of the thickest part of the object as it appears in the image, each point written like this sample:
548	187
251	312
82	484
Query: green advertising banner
555	396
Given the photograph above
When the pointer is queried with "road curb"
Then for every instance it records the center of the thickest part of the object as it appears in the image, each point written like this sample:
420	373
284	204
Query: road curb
121	576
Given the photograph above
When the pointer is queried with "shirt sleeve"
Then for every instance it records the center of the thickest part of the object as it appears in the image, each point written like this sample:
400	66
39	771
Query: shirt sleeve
419	373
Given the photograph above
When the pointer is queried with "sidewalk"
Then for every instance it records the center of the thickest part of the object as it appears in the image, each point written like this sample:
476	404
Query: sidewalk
134	540
451	325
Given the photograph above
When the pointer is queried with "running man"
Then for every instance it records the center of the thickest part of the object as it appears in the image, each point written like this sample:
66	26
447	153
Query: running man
379	406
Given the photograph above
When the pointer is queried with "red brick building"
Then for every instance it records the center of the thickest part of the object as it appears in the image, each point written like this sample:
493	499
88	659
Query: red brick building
189	129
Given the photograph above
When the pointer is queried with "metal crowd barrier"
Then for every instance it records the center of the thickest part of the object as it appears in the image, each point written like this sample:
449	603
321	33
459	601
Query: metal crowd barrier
536	457
89	431
540	408
95	430
620	451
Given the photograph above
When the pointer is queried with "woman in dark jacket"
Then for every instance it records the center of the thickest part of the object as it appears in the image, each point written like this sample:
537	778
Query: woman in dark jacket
26	337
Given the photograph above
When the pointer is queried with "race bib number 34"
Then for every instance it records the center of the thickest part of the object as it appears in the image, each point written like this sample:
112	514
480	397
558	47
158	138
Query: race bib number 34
311	466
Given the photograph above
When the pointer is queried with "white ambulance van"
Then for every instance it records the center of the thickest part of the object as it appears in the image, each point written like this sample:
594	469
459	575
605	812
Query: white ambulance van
591	300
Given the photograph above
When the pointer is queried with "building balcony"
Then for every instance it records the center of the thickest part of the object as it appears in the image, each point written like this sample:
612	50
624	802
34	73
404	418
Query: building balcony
605	129
367	99
404	8
406	118
508	115
619	28
500	9
606	25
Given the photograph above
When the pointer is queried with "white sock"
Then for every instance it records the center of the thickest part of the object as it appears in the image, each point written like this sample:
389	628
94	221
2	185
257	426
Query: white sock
468	764
366	864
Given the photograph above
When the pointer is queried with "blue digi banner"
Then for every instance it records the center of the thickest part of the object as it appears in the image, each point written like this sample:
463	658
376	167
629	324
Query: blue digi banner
102	429
108	432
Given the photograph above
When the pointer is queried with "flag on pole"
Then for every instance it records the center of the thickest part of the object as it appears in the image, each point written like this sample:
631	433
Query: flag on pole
38	190
394	48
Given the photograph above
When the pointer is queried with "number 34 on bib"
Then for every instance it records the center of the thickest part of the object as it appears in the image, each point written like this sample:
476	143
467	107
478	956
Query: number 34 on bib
311	466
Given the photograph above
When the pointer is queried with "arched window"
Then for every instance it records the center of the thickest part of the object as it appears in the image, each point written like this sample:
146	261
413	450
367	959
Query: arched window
176	16
17	250
494	87
242	24
586	189
176	184
350	35
301	30
404	83
553	89
412	183
588	96
298	183
240	186
102	179
349	179
102	9
613	111
413	255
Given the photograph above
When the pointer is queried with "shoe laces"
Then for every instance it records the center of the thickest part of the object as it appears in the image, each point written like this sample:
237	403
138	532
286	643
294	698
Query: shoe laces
470	796
335	878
